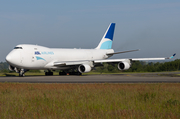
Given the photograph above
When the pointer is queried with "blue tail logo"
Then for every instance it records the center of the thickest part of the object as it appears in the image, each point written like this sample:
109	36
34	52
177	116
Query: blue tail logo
106	41
110	32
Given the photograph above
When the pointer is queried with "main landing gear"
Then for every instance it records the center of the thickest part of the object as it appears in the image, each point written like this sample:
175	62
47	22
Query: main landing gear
70	73
61	73
49	73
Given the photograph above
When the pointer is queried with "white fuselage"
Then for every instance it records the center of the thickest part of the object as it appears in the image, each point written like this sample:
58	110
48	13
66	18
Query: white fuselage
39	57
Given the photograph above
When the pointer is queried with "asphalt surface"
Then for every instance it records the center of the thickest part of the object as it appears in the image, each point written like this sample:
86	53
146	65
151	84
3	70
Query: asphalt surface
106	78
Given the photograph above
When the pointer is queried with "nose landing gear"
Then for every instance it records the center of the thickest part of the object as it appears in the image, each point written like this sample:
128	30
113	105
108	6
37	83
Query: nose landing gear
22	72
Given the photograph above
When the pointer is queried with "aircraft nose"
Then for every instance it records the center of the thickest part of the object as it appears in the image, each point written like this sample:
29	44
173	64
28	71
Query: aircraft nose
13	57
8	58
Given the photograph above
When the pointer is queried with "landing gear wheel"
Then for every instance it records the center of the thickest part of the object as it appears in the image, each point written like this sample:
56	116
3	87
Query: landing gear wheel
21	73
79	73
70	73
62	73
75	73
48	73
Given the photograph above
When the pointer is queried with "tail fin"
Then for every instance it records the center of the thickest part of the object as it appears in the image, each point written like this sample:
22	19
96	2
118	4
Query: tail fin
106	41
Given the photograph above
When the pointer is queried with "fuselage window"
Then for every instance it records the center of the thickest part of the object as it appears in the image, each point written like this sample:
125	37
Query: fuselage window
18	48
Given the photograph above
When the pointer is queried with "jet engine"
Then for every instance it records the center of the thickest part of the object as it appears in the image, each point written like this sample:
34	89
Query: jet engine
84	68
124	66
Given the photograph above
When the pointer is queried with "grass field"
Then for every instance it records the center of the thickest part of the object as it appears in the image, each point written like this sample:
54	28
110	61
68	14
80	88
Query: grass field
89	101
89	73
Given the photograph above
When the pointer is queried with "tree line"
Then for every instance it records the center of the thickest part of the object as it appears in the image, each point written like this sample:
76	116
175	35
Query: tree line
141	66
137	66
4	67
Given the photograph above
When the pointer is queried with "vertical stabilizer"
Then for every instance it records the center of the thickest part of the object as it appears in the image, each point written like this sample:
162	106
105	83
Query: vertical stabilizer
106	41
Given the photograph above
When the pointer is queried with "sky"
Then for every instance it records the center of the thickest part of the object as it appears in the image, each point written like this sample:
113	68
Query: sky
153	26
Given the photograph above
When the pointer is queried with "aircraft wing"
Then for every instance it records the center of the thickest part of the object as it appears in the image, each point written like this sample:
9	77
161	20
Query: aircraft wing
163	58
133	59
71	63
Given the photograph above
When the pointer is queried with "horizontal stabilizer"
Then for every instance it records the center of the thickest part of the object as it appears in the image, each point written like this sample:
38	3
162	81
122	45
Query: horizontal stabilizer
122	52
171	56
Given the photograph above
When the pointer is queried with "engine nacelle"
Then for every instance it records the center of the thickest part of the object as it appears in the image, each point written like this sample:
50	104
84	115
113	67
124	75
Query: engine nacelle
124	66
84	68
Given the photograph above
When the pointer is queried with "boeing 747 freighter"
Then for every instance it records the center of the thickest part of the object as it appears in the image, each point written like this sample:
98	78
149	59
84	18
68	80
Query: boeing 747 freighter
26	57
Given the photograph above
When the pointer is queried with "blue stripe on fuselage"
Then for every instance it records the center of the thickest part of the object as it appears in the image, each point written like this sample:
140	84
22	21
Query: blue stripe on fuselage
40	58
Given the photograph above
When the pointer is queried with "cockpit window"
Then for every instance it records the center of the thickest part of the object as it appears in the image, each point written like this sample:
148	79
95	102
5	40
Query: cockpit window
17	47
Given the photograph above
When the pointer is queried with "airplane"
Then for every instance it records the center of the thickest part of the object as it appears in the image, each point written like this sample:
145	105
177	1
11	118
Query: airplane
26	57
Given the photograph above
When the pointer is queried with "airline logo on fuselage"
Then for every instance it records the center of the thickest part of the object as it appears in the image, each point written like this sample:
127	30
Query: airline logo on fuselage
37	53
44	53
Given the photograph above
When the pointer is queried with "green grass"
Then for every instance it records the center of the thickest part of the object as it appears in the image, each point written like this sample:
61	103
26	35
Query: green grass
89	73
26	74
89	101
56	73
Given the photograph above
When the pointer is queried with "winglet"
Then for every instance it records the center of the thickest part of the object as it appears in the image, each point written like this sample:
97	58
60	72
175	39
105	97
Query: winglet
171	56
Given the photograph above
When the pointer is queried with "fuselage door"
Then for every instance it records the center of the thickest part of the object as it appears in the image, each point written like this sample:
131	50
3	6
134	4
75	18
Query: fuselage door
36	52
